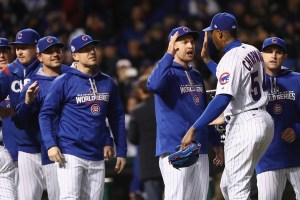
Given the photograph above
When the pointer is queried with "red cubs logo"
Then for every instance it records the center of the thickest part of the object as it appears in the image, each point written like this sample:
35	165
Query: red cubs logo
20	35
274	40
186	29
95	109
84	38
224	78
196	100
49	40
277	109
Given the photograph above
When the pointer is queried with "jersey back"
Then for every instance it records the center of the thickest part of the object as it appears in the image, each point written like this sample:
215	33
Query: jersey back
241	74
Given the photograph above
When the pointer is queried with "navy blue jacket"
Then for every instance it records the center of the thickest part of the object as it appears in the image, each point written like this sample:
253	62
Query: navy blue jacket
83	103
178	104
284	107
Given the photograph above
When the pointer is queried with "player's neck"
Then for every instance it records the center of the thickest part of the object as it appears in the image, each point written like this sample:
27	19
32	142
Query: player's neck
272	72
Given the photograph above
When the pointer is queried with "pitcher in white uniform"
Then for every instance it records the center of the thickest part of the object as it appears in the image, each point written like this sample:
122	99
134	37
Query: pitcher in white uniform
241	95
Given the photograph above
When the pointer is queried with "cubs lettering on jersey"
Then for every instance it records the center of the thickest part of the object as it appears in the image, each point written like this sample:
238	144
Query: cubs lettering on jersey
18	85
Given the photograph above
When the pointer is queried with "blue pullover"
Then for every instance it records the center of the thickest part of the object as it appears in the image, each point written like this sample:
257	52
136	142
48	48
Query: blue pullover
180	98
82	104
13	77
284	107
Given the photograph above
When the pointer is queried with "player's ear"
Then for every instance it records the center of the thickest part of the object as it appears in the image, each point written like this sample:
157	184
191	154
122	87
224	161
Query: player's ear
39	57
75	56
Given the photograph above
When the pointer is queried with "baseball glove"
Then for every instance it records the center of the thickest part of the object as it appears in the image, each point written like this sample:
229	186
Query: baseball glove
186	157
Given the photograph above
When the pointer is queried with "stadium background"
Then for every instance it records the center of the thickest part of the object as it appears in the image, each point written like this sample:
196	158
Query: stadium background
137	30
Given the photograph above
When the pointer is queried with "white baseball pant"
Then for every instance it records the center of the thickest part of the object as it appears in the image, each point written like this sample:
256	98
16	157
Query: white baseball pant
185	183
81	179
30	176
248	135
271	184
7	175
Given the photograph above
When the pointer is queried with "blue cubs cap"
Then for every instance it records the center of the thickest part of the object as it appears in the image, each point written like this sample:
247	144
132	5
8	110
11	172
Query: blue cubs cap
47	42
4	43
222	21
27	36
274	41
184	31
80	41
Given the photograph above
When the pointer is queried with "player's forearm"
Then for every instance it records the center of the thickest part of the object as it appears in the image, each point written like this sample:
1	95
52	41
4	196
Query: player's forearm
212	66
213	110
158	79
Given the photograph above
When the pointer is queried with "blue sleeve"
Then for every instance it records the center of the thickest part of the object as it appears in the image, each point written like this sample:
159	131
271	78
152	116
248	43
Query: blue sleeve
49	112
116	119
108	139
214	138
4	83
25	112
213	110
158	79
297	130
212	66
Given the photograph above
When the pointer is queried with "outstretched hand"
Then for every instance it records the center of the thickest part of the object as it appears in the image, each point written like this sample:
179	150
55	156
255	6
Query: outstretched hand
31	92
204	51
171	48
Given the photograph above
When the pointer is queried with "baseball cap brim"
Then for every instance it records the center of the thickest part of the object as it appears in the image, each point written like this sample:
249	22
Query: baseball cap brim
59	44
14	43
207	29
90	42
194	34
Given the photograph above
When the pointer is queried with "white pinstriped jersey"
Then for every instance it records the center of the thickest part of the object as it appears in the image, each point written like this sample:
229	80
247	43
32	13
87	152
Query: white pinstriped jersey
240	74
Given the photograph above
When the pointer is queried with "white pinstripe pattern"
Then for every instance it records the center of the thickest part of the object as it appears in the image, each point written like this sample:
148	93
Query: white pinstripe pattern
30	176
248	136
81	179
187	183
50	172
271	184
7	170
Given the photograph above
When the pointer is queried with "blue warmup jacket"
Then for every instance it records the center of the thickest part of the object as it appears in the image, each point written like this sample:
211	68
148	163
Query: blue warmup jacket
8	127
27	115
178	104
83	103
284	107
12	79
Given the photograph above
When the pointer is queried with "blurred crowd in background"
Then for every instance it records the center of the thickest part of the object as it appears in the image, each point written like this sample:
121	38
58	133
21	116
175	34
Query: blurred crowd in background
137	30
134	33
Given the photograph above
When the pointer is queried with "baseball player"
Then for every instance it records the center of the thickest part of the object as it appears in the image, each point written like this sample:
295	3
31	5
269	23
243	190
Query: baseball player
12	79
7	166
242	95
83	98
281	162
31	100
180	98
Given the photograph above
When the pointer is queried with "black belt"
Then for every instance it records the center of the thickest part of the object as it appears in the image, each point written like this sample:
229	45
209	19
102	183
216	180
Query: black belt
1	143
228	117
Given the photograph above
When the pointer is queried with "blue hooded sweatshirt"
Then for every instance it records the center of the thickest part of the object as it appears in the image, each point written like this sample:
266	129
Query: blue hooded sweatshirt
82	103
180	98
13	77
284	107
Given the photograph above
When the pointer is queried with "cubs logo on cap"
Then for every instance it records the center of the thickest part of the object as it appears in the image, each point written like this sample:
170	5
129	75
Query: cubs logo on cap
184	31
222	21
47	42
274	41
26	36
80	41
4	43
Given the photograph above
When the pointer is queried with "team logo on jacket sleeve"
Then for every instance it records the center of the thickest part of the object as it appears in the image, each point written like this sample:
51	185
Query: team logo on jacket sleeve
224	78
95	109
